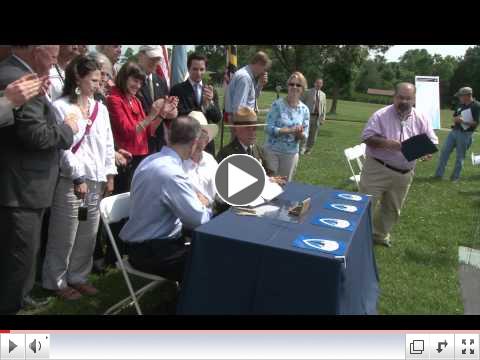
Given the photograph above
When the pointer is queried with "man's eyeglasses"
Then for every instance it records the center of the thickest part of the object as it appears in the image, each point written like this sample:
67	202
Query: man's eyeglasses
295	85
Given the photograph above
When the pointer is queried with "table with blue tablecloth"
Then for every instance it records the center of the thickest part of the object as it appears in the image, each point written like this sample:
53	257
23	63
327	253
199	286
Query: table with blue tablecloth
248	264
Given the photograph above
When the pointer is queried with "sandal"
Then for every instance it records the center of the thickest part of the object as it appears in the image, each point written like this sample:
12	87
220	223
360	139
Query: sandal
68	294
85	289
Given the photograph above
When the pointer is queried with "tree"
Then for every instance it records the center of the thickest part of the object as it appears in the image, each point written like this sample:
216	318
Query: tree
129	55
369	77
342	63
415	62
444	68
467	72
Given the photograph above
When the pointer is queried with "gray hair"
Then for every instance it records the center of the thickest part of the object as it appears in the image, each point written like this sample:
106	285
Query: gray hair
184	130
103	60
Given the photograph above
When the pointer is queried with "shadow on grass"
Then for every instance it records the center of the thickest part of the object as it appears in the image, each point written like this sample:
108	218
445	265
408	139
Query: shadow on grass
324	133
427	257
112	289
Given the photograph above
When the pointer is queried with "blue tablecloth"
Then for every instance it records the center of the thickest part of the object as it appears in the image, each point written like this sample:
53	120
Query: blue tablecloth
248	265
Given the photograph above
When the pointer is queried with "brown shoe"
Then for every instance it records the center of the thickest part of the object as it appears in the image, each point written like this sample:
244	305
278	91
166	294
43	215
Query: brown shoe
68	294
85	289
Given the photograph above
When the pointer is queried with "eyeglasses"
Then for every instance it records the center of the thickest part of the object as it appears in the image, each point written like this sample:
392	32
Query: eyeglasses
295	85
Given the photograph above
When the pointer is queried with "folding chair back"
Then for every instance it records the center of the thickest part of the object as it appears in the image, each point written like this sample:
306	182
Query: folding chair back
113	209
355	156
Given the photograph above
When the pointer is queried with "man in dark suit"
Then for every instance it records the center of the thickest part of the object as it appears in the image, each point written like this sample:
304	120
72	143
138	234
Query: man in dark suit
29	158
194	95
16	94
154	88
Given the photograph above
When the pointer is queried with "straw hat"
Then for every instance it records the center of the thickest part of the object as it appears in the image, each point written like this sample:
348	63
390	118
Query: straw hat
245	117
211	129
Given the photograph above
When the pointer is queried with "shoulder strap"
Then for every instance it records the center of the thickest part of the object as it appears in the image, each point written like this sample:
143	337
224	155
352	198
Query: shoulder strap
92	118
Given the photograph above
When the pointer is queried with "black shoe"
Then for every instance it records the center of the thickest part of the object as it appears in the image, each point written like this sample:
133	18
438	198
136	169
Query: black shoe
31	303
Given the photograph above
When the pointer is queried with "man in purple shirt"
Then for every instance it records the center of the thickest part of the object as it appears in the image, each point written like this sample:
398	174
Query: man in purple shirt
386	174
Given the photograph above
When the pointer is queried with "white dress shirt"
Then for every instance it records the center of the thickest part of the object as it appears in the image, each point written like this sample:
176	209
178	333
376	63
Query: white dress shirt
162	200
95	158
202	175
56	78
197	90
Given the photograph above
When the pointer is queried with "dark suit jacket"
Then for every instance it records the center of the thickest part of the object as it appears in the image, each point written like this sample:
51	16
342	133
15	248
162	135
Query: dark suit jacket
160	90
234	147
187	103
29	149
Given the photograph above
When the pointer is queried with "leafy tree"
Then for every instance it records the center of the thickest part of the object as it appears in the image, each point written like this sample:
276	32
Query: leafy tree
467	72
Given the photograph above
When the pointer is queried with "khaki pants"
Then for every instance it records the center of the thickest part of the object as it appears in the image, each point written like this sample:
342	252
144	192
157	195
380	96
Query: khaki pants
280	163
70	246
389	190
313	128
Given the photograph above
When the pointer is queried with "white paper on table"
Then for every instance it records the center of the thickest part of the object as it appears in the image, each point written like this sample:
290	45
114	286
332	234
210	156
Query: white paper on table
262	210
270	191
467	118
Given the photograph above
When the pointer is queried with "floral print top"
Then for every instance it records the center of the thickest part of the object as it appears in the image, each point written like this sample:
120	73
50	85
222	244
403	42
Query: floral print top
282	115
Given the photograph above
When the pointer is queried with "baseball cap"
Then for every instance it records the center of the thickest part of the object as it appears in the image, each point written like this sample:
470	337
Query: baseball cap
464	91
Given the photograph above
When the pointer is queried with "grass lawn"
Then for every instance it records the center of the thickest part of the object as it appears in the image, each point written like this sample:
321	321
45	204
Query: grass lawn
418	275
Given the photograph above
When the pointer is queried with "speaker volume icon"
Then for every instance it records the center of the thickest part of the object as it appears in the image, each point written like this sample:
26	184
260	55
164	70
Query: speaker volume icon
35	346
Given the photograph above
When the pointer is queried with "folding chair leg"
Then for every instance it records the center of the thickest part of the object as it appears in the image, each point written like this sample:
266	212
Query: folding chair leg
128	301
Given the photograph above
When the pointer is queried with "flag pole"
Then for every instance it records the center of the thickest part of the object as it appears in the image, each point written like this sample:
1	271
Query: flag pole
222	128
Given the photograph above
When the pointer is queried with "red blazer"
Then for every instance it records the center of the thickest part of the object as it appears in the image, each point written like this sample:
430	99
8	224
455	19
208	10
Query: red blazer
124	119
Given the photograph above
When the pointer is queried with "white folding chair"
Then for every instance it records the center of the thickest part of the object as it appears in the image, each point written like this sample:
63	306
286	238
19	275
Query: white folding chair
475	159
355	155
113	209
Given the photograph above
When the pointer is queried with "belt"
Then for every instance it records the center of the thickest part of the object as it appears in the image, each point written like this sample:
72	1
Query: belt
401	171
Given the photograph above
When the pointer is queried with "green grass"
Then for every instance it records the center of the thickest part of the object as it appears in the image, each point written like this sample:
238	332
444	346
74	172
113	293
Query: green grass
418	275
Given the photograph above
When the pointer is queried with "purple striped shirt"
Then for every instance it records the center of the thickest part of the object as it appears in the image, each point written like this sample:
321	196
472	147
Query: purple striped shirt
386	123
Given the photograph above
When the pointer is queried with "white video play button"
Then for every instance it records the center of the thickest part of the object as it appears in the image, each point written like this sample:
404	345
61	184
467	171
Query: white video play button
238	180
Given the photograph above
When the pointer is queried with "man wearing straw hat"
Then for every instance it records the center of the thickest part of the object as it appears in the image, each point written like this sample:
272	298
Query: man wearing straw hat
244	127
201	166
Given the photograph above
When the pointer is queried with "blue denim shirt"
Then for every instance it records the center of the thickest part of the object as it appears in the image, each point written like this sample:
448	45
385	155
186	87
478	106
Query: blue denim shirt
281	115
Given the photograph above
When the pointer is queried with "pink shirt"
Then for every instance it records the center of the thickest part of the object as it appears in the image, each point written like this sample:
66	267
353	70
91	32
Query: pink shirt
386	123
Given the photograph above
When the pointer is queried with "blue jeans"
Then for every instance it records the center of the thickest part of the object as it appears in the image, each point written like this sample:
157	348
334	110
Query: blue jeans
461	140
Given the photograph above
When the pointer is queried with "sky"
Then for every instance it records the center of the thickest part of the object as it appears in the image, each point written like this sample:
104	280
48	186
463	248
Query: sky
393	53
397	51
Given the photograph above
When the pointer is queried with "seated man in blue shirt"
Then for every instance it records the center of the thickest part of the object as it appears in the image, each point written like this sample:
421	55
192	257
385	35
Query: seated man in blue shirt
162	202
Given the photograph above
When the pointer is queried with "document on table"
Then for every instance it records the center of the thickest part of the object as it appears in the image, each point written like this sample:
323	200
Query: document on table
270	192
467	118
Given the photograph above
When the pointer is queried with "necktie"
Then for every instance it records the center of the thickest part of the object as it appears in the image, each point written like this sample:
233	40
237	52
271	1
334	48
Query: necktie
317	103
150	87
198	94
249	150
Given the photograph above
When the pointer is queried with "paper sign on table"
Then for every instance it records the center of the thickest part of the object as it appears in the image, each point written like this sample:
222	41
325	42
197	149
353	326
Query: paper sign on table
333	223
314	243
351	197
352	209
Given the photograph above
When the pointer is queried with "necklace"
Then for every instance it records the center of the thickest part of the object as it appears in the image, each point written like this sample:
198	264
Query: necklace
85	110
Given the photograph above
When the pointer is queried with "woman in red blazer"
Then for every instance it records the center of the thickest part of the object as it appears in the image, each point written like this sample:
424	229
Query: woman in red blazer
130	126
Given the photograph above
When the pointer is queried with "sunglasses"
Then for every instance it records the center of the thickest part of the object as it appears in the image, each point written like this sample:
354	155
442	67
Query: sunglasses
295	85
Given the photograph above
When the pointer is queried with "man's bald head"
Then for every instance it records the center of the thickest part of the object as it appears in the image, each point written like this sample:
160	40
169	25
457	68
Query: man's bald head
404	87
404	97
